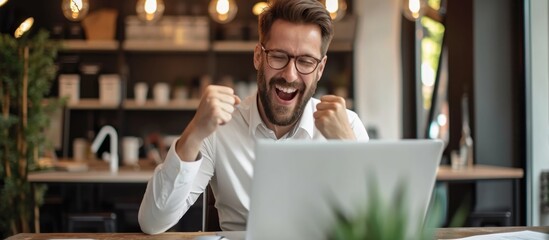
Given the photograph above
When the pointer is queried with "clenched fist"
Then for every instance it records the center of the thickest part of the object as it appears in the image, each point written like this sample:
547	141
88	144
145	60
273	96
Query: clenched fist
331	118
216	108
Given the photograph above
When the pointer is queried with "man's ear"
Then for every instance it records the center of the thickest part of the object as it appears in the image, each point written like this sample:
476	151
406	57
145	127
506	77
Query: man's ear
321	67
257	56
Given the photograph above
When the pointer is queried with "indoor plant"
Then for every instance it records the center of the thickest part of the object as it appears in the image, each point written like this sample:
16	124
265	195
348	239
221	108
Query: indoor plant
26	73
385	220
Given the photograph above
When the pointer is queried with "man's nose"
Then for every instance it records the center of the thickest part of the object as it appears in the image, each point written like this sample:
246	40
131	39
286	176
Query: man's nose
290	72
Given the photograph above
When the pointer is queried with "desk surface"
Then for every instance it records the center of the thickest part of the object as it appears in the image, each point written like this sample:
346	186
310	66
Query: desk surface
478	172
441	233
129	175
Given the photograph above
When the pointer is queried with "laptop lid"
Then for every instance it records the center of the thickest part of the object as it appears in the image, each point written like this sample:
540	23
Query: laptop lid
298	185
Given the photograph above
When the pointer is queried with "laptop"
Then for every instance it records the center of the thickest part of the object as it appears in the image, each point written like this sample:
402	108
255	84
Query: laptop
298	185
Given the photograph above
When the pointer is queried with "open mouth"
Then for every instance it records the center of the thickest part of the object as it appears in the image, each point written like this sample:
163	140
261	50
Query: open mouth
286	93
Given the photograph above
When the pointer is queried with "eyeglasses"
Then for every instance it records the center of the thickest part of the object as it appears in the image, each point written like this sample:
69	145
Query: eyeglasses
279	60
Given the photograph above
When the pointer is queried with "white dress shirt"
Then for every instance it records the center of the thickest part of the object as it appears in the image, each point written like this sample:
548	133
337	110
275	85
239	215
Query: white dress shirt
226	162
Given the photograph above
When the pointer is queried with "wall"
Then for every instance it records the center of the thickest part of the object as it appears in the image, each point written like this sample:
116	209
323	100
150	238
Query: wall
377	66
537	97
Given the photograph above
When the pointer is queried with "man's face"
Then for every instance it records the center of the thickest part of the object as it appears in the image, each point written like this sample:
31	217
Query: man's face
284	93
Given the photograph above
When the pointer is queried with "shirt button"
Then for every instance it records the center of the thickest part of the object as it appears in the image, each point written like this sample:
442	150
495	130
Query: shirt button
185	171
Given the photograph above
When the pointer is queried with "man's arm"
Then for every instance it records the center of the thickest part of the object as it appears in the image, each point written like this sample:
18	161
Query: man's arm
172	190
177	183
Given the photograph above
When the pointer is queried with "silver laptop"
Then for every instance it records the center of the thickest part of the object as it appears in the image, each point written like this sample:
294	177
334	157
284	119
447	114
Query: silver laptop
298	185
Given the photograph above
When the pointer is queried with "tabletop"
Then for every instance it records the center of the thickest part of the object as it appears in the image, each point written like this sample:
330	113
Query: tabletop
441	233
99	173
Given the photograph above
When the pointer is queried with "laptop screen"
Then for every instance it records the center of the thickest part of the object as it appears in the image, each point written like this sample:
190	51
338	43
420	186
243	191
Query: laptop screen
298	186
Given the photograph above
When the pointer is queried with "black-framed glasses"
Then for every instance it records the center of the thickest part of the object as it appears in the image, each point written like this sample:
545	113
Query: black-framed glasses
279	60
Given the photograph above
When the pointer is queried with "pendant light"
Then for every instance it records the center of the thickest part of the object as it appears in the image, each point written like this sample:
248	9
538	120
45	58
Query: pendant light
24	27
222	11
336	8
15	21
75	10
413	9
149	10
259	7
2	2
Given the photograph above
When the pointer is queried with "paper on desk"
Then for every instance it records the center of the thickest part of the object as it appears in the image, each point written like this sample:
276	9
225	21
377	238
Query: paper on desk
521	235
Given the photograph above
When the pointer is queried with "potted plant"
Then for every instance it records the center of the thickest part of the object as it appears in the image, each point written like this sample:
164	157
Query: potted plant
385	219
26	73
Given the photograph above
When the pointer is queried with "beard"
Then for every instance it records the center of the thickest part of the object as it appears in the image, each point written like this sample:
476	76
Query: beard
278	114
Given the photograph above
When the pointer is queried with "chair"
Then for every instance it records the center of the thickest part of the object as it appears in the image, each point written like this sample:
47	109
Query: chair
496	218
92	222
210	217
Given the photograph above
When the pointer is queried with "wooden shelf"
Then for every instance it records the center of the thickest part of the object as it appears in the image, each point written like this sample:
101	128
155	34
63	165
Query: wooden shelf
130	104
234	46
146	45
90	104
191	104
150	45
248	46
95	45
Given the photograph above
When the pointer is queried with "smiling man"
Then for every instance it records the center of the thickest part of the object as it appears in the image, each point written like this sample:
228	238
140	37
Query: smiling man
217	147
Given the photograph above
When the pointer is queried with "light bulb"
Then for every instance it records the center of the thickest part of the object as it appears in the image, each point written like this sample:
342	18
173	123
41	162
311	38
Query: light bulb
336	8
75	10
222	11
24	27
149	10
413	9
259	7
2	2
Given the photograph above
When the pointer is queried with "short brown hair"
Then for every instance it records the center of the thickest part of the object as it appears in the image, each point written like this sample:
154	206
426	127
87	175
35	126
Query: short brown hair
297	11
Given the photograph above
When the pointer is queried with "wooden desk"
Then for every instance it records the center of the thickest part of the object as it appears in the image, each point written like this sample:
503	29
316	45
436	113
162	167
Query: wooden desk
441	233
98	173
450	233
478	172
129	175
482	173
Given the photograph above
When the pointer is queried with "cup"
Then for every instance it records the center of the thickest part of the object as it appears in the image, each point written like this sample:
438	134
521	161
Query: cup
80	148
130	148
161	93
140	90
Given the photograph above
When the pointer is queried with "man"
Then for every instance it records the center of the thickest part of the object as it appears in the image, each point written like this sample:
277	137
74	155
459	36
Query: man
217	147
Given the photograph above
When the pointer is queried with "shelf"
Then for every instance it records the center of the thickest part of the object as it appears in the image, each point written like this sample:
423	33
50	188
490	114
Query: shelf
130	104
90	104
234	46
95	45
146	45
248	46
191	104
149	45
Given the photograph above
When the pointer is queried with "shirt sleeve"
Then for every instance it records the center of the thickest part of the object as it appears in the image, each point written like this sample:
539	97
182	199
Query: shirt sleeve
171	191
358	126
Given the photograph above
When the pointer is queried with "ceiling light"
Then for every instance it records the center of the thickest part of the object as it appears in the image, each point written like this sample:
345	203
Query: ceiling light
413	9
222	11
75	10
336	8
150	10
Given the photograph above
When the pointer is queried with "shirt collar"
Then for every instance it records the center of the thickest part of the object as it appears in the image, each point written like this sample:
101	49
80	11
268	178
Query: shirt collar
305	123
